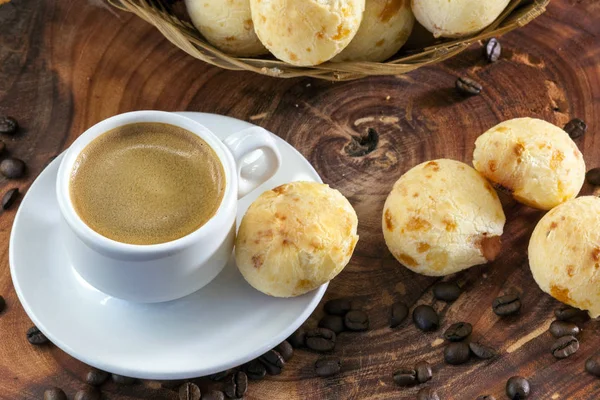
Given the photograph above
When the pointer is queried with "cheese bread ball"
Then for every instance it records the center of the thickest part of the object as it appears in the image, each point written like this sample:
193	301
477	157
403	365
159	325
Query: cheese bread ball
457	18
442	217
537	162
227	25
295	238
306	32
385	27
564	254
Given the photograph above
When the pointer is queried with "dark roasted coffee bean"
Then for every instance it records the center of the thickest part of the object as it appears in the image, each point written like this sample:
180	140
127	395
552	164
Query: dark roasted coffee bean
564	328
517	388
457	353
213	395
89	393
320	339
356	320
123	380
468	86
405	377
425	318
459	331
592	365
237	385
285	349
9	198
255	370
338	306
575	128
297	338
568	313
12	168
219	376
55	394
565	346
2	304
481	351
427	394
35	336
493	49
399	314
593	176
446	291
189	391
486	397
273	362
332	322
328	366
96	377
424	371
508	304
8	125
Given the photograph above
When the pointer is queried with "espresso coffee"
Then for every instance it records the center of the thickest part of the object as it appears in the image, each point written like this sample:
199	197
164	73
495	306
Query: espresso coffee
147	183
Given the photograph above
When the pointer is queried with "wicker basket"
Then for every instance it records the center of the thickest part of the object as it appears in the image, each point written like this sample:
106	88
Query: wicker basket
185	36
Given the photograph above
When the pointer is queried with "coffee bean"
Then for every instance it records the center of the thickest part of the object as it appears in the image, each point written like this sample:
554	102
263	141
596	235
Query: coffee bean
273	362
8	125
2	304
570	314
219	376
320	339
123	380
338	307
459	331
255	370
329	366
405	377
399	314
356	320
508	304
486	397
285	349
89	393
424	371
446	291
425	318
456	353
55	394
237	385
427	394
35	336
493	50
563	328
517	388
213	395
189	391
593	176
12	168
565	346
592	365
332	322
297	338
575	128
9	198
467	86
481	351
96	377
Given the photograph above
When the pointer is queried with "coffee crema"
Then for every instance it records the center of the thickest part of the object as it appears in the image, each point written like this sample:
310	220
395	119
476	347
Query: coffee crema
147	183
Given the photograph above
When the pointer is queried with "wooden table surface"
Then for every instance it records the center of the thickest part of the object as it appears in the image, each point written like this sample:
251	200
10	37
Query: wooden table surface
65	65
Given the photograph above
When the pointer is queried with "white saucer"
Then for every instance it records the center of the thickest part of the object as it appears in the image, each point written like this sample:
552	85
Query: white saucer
221	326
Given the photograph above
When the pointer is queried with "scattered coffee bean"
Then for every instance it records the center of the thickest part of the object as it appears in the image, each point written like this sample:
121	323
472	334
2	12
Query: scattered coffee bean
255	370
320	339
55	394
459	331
486	397
456	353
285	349
399	314
493	49
593	176
356	320
8	125
425	318
329	366
468	86
123	380
482	351
297	338
9	198
237	385
517	388
563	328
12	168
35	336
592	365
96	377
332	322
427	394
2	304
508	304
89	393
219	376
338	307
273	362
446	291
424	371
565	346
213	395
189	391
575	128
405	377
570	314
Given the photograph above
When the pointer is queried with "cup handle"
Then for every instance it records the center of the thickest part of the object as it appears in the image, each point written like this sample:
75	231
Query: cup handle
241	145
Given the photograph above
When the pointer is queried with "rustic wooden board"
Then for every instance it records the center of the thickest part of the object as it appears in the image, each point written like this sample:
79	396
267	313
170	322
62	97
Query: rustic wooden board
65	65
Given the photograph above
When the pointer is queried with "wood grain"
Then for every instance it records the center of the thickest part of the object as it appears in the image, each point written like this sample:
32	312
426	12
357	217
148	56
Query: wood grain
68	64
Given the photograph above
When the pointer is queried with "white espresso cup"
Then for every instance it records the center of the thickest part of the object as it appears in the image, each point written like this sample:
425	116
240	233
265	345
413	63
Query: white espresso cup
165	271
